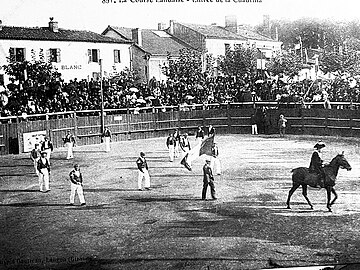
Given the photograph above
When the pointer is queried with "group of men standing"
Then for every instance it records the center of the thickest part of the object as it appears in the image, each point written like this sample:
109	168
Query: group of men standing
175	141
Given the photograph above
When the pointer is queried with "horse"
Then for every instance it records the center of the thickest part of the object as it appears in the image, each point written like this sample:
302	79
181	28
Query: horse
302	177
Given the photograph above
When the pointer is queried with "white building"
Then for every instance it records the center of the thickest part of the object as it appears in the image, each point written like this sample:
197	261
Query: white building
151	50
74	53
214	39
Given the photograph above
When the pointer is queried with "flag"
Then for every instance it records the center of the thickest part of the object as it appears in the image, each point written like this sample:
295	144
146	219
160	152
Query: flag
201	149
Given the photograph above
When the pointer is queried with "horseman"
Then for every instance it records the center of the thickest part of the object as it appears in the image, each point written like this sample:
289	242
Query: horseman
316	164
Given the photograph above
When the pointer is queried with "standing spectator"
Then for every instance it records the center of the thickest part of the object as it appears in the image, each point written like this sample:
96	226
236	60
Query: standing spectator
199	134
107	138
266	123
143	172
76	180
170	143
282	125
211	131
43	167
254	128
69	142
48	147
35	154
208	180
215	161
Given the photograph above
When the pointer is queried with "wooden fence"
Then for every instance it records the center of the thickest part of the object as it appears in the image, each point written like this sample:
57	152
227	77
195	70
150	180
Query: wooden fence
160	121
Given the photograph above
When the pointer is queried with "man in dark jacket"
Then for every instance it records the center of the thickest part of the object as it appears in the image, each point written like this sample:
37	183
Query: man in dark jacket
316	163
208	181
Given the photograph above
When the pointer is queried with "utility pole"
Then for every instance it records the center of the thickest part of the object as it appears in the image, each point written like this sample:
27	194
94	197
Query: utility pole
102	99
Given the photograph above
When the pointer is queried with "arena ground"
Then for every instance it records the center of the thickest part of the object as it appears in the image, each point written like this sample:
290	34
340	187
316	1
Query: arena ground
169	227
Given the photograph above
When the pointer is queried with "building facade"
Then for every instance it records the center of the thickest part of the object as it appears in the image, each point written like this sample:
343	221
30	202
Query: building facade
151	50
215	40
74	53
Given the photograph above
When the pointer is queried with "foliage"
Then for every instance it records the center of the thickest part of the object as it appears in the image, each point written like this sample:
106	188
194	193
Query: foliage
240	62
314	33
37	71
285	63
37	81
188	67
340	63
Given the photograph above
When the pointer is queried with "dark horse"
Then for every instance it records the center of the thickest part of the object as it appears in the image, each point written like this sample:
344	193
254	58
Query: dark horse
302	177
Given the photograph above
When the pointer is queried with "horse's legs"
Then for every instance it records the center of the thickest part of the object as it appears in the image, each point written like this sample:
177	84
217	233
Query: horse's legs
304	192
335	195
328	192
292	190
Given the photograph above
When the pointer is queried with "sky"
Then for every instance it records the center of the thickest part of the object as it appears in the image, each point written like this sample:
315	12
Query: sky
94	15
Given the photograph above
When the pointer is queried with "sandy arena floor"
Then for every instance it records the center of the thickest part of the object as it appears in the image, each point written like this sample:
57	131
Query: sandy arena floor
169	227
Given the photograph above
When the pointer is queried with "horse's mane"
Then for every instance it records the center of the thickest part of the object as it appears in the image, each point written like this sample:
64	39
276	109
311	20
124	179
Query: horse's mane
333	160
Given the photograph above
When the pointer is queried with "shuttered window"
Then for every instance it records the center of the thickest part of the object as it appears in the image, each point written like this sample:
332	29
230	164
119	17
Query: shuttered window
17	54
117	58
94	55
54	55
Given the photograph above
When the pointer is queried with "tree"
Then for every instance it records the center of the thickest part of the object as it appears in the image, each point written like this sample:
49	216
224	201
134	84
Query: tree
286	63
37	83
187	68
240	62
340	63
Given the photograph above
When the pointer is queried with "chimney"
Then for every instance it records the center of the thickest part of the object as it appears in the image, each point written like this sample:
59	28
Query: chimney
53	26
171	28
266	23
136	36
231	23
161	26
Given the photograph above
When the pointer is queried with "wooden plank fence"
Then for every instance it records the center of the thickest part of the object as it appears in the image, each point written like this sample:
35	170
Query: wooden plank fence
159	122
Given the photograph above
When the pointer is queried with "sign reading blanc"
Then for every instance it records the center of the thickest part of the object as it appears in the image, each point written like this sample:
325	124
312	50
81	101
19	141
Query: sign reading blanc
31	138
71	67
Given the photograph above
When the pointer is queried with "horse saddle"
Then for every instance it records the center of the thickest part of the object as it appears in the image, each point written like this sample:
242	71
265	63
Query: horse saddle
316	179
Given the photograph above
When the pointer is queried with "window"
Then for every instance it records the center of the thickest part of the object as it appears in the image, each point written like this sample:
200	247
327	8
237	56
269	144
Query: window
17	54
117	58
54	55
94	55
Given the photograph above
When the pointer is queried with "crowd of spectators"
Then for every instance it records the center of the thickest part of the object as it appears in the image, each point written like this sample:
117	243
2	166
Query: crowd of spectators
79	95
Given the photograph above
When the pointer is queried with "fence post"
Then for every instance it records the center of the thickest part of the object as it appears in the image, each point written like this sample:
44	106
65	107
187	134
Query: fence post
18	133
128	123
179	117
326	122
47	125
228	118
351	122
75	125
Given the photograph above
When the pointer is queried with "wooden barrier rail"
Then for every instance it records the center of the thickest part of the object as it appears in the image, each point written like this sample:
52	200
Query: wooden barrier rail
159	121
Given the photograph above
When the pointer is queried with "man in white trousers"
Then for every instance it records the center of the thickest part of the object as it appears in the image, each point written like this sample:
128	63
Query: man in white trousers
143	172
185	144
76	185
69	142
48	147
171	143
107	139
35	155
215	162
43	167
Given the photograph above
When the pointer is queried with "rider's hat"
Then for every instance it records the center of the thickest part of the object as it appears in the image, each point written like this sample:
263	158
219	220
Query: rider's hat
319	145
